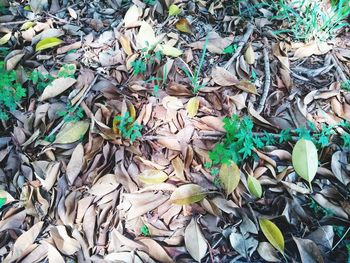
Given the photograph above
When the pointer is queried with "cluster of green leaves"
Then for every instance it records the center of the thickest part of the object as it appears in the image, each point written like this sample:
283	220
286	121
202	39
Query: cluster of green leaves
40	80
240	141
195	78
11	92
128	128
150	2
148	57
71	113
309	19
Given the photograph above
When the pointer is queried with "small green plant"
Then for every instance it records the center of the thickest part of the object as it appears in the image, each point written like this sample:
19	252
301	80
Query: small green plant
40	80
144	230
195	78
230	49
345	85
11	92
149	2
147	58
71	113
310	19
128	128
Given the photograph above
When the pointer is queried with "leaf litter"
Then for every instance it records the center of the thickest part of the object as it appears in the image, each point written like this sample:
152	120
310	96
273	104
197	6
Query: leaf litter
118	150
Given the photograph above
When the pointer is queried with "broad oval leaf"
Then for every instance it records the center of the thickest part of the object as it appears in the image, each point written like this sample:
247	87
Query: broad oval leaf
254	186
174	10
183	26
72	131
170	51
153	176
57	87
305	159
308	250
187	194
192	107
195	242
146	38
249	55
47	43
229	176
273	234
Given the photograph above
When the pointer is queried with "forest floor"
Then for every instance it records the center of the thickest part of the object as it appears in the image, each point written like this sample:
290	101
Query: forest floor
162	131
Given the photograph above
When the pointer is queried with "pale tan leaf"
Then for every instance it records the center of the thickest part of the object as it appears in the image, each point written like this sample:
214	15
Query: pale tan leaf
23	242
75	164
146	38
156	251
131	18
72	12
170	51
63	241
195	241
223	77
249	55
125	42
57	87
229	176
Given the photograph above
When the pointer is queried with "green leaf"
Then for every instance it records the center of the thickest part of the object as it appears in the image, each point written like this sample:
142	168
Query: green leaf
273	234
5	38
2	201
229	176
305	159
254	186
72	132
174	10
48	43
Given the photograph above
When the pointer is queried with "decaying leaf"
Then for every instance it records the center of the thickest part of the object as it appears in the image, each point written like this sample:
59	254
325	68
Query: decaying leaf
153	176
195	241
229	176
183	26
308	250
249	55
72	132
192	107
57	87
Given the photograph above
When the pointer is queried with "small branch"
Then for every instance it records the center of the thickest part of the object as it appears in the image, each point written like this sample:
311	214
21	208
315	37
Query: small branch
338	68
17	22
267	77
241	44
75	106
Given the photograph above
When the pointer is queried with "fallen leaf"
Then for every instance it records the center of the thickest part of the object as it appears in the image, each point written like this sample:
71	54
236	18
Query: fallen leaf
273	234
75	164
72	13
195	241
183	26
244	245
153	176
305	159
146	38
174	10
267	252
57	87
47	43
187	194
72	132
249	55
192	107
229	176
254	186
131	18
308	250
170	51
5	38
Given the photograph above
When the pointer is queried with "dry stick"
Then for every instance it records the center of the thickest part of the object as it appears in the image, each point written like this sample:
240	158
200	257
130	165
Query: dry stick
75	106
241	44
267	77
338	68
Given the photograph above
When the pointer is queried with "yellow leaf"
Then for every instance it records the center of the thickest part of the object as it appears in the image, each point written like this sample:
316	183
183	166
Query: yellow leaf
254	186
125	42
273	234
229	176
170	51
183	26
174	10
187	194
27	25
153	176
249	55
5	38
72	132
48	43
192	107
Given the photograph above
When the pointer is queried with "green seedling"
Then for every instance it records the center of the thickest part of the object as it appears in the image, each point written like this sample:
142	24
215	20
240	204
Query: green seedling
145	231
11	92
71	113
195	78
128	128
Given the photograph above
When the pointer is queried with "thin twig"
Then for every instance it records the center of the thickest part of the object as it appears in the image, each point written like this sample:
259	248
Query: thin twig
340	240
267	77
75	106
338	68
241	44
17	22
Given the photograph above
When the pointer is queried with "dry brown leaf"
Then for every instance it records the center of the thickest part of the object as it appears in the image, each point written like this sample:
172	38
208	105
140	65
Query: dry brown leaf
57	87
183	26
131	18
75	164
125	42
249	55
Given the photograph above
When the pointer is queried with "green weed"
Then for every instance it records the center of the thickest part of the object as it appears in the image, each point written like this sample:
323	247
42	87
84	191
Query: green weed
128	128
195	78
145	231
11	92
147	57
345	85
71	113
